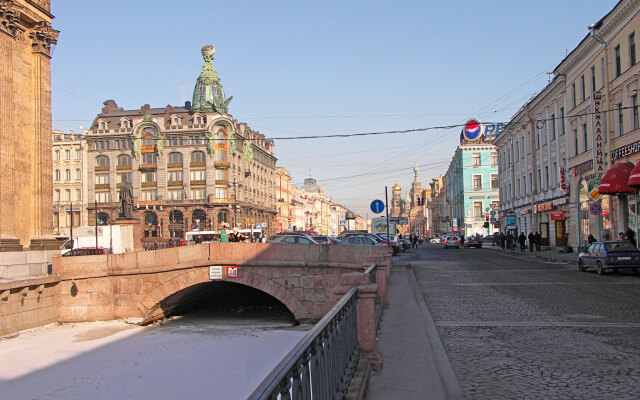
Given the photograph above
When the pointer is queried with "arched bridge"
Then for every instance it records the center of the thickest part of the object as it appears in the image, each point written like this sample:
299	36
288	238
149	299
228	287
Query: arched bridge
139	284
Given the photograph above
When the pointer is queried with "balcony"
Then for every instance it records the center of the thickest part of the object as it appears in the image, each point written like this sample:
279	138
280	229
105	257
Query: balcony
102	168
175	184
221	164
199	164
148	167
121	168
149	184
99	186
200	182
174	165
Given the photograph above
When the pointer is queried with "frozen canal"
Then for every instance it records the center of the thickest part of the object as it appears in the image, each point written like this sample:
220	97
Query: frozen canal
209	355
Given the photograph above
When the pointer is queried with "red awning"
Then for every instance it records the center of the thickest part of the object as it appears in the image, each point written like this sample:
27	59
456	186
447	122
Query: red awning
616	179
634	178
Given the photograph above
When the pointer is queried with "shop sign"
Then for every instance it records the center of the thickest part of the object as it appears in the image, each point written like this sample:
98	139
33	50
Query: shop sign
542	207
563	184
598	137
557	215
511	222
582	168
625	150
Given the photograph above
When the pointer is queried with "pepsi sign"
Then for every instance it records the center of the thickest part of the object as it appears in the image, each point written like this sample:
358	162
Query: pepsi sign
474	129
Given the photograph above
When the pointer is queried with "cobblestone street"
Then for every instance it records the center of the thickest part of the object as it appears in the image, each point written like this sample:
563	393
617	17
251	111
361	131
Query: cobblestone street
520	328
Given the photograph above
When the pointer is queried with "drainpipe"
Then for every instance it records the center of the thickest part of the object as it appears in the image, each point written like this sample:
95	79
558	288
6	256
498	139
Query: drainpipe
534	175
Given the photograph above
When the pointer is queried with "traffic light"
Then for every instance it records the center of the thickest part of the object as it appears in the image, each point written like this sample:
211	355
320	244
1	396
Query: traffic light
486	217
486	224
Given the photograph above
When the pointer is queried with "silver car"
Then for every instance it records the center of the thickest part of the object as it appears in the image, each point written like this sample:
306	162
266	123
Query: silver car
359	241
452	241
296	238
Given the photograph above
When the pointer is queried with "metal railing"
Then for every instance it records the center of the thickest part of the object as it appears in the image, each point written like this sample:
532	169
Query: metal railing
321	364
371	271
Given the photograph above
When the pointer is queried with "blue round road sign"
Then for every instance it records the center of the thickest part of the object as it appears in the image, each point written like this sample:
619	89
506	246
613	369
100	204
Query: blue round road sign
377	206
595	209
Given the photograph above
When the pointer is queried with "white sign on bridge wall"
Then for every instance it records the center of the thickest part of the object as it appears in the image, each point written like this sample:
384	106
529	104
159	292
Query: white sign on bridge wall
215	272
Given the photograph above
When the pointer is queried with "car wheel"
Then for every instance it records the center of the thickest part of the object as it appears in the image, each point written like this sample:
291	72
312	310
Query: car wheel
600	268
581	267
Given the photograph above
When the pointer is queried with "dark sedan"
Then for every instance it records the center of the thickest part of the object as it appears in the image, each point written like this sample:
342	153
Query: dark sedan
605	256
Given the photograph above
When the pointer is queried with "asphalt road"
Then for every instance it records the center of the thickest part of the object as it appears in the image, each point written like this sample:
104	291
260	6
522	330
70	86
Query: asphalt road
517	328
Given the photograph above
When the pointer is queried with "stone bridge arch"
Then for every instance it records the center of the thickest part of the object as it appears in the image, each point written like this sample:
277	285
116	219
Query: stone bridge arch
151	305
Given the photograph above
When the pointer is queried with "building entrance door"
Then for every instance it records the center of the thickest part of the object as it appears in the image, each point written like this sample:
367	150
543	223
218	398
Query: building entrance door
560	233
544	234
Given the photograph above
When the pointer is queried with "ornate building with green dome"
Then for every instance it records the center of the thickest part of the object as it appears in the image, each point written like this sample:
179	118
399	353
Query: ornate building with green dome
192	167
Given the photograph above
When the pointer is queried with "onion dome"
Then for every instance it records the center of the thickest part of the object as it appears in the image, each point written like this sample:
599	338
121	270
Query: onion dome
396	188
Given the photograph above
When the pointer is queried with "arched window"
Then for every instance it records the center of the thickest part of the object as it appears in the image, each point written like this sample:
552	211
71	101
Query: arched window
222	216
150	224
102	161
197	156
57	175
67	155
198	218
148	135
124	161
78	174
175	158
67	175
220	134
56	155
103	218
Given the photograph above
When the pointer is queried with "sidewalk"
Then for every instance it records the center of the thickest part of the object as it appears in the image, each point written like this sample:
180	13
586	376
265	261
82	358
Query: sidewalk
546	255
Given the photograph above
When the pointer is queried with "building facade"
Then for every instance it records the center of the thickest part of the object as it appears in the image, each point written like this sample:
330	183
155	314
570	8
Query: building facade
191	168
26	37
69	182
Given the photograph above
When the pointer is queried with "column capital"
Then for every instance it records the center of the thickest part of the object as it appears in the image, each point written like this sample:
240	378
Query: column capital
43	36
9	18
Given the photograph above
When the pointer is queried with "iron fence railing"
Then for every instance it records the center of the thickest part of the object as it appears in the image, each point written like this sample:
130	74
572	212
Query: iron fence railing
321	364
371	271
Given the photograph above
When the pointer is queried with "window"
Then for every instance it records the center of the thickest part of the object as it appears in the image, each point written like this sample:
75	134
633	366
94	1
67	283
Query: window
222	174
554	173
67	175
197	194
527	144
593	79
175	141
198	175
531	182
102	197
123	161
517	150
477	209
149	195
102	161
102	179
221	155
475	159
632	49
78	195
78	174
175	194
57	175
634	104
67	194
477	182
537	139
616	60
123	177
620	120
585	137
573	94
175	158
493	157
221	193
67	155
562	121
197	156
575	142
553	127
546	177
495	181
174	176
602	75
56	195
148	177
56	155
583	88
149	158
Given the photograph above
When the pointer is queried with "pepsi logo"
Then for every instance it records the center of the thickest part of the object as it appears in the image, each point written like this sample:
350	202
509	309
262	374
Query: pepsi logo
471	130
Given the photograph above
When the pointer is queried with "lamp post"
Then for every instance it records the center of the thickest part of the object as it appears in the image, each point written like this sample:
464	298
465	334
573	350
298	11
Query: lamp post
71	225
96	214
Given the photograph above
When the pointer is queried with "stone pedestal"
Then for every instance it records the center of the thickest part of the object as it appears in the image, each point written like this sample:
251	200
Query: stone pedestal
45	244
136	231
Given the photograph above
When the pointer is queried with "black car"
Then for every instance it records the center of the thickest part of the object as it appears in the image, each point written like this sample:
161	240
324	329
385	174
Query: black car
612	255
473	241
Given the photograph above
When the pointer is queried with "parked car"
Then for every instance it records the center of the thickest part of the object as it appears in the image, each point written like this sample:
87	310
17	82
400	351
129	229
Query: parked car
405	243
390	240
356	240
323	239
85	251
473	241
435	240
612	255
452	241
291	237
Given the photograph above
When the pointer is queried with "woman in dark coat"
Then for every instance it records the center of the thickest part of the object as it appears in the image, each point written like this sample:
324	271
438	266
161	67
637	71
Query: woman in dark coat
522	239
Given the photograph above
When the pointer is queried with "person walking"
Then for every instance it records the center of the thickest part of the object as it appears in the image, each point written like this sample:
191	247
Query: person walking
591	238
224	236
538	239
631	236
522	239
532	240
462	241
501	239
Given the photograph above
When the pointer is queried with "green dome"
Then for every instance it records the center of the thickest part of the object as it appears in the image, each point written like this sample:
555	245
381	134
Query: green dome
208	95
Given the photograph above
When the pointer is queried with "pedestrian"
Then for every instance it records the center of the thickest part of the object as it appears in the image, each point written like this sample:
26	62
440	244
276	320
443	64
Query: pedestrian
538	239
224	237
462	241
532	239
502	240
509	239
631	236
522	239
622	236
415	240
591	238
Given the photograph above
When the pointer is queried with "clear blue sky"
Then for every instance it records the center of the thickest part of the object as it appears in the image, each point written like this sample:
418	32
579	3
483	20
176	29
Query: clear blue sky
325	67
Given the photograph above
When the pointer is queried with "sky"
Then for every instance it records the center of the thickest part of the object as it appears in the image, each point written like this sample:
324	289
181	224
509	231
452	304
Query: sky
323	68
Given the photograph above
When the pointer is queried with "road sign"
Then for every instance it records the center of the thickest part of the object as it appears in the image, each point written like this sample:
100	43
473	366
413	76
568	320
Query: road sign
232	272
343	222
593	190
493	221
403	220
377	206
259	226
215	272
493	213
595	209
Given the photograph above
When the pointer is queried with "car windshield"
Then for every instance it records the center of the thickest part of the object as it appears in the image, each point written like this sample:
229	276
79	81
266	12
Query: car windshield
619	246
